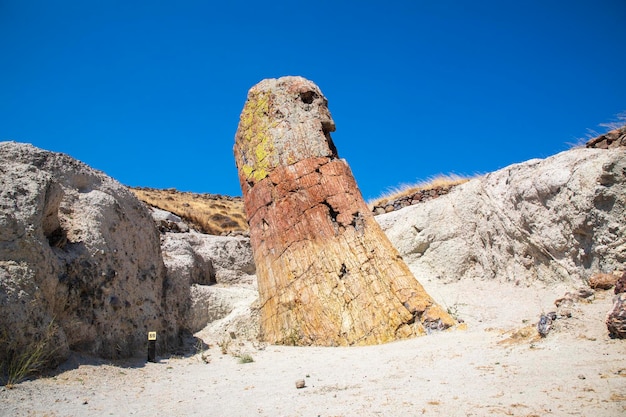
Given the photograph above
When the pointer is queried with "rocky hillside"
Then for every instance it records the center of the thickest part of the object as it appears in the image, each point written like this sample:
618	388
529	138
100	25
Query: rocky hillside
213	214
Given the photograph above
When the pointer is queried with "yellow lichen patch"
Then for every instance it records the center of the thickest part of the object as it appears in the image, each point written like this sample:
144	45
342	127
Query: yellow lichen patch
254	125
247	170
260	153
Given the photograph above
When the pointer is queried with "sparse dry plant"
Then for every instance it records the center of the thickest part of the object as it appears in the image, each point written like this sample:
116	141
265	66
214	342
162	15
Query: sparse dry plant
245	358
224	345
22	362
439	181
618	123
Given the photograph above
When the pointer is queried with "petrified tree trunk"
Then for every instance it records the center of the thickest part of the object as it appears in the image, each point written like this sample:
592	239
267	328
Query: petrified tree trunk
327	274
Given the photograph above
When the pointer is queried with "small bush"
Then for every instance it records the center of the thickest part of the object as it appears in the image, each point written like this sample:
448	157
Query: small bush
224	345
245	358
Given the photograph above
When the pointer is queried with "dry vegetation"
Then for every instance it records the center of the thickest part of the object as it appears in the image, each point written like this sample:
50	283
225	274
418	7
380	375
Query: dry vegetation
440	181
207	213
618	123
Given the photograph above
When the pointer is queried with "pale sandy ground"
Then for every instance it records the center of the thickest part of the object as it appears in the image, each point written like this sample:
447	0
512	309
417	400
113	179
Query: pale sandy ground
576	371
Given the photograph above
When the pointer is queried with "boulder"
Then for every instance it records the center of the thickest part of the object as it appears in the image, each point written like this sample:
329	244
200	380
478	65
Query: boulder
80	262
168	222
327	274
616	319
601	281
557	219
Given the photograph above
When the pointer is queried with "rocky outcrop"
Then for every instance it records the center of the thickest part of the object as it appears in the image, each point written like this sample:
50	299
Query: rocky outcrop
327	275
197	258
419	196
620	285
558	219
80	262
616	318
221	311
616	138
168	222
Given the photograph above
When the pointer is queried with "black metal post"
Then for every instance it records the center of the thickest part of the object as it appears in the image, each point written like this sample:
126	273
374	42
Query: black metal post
152	347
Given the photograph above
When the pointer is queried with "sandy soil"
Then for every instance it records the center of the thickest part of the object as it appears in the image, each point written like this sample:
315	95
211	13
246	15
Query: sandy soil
497	366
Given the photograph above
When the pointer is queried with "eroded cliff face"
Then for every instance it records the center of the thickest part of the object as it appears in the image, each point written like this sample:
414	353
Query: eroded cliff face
327	274
80	261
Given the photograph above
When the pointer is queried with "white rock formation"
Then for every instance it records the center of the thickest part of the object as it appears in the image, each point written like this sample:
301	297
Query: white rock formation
80	261
230	256
557	219
217	311
220	271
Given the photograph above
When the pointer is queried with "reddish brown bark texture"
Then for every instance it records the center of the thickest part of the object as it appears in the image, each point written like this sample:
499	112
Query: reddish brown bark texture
327	274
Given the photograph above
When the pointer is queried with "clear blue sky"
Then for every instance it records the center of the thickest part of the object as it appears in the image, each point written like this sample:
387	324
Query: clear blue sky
150	92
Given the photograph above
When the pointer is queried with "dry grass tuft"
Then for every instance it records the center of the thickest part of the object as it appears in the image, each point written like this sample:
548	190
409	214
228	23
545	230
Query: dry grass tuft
23	362
208	213
618	123
439	181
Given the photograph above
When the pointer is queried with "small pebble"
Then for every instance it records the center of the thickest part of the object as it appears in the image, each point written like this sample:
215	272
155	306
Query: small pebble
300	383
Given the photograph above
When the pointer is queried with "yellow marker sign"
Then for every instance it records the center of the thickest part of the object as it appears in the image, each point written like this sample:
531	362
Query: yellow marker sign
151	335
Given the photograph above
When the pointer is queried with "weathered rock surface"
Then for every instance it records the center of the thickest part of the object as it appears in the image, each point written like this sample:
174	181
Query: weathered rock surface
616	319
557	219
199	258
168	222
327	275
220	272
80	261
218	311
620	284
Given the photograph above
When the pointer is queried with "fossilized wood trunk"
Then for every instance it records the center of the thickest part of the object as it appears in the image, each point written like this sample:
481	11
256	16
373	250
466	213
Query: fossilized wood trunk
327	274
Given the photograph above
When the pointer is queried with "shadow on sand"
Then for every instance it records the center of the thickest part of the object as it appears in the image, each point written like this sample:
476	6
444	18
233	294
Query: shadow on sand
189	347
